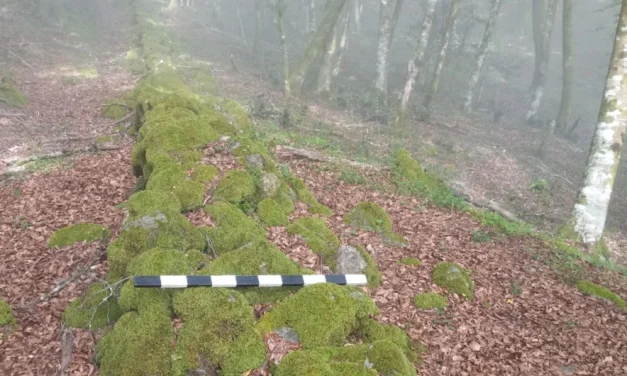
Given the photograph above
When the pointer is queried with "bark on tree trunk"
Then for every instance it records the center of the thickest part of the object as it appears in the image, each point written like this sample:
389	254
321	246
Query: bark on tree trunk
544	64
316	45
310	12
280	23
388	18
326	68
258	24
432	91
342	47
483	50
538	17
359	7
547	140
415	66
564	117
590	212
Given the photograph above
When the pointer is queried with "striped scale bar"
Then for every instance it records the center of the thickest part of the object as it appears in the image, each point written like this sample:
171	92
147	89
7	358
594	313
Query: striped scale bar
181	281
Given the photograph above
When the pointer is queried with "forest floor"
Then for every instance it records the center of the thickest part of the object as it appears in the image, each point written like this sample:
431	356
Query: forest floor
525	320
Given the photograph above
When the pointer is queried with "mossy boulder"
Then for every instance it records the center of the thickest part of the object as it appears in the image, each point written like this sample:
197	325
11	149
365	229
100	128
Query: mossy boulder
304	195
410	261
139	344
146	202
271	213
189	193
219	327
233	228
6	314
356	260
155	261
236	114
369	216
406	166
430	300
592	289
284	199
80	232
454	278
259	258
317	235
10	94
204	173
97	306
114	111
378	358
236	186
372	331
157	160
327	322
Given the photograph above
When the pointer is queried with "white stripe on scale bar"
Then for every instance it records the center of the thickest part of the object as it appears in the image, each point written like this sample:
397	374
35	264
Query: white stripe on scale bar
356	279
313	279
270	281
173	281
223	281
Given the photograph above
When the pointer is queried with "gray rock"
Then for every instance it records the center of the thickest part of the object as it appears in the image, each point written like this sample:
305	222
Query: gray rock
254	161
288	334
149	221
350	260
270	184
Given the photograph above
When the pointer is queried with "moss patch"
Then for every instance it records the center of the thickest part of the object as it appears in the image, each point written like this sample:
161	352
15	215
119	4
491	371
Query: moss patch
146	202
589	288
113	111
81	232
318	237
371	331
204	173
6	314
410	261
430	300
369	216
139	344
271	213
304	195
219	326
454	278
236	186
92	304
328	322
233	228
373	275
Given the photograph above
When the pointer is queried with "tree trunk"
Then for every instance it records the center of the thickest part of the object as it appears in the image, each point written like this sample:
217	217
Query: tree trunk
326	68
538	17
415	65
280	24
547	140
359	7
544	64
342	47
310	12
316	45
388	17
590	212
483	50
564	117
432	91
258	24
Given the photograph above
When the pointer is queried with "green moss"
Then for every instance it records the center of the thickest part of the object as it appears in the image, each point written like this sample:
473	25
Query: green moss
113	111
381	357
146	202
589	288
236	114
271	213
204	173
157	160
220	124
92	308
219	326
328	322
6	314
430	300
10	94
153	262
369	216
371	331
236	186
406	166
410	261
138	345
320	209
316	234
80	232
233	228
454	278
189	193
498	222
263	258
372	273
202	81
284	200
105	139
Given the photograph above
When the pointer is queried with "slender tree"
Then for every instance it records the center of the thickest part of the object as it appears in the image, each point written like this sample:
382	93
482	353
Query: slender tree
337	64
258	25
310	14
432	90
544	64
415	65
564	117
326	68
483	51
316	45
388	18
279	8
587	222
358	9
538	15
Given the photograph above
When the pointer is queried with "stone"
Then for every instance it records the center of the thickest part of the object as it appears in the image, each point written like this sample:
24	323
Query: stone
270	184
254	161
287	334
350	260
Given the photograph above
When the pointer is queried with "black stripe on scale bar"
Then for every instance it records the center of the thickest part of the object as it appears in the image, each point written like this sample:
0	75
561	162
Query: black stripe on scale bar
338	279
292	280
199	281
247	280
147	281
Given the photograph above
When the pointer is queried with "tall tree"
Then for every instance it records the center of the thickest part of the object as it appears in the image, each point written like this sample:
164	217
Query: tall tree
415	65
587	221
538	15
543	70
483	50
258	26
337	64
310	13
279	8
564	117
432	90
316	45
326	68
358	8
389	13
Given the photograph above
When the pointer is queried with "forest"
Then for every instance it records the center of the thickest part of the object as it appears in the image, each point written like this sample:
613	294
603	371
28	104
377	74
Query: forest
313	187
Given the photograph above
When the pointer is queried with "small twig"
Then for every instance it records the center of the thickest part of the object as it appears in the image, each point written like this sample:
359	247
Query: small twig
211	247
67	348
22	60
